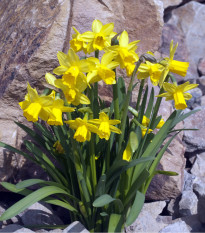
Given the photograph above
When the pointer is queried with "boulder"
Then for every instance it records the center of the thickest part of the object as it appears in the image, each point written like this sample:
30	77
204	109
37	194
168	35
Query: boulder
16	229
188	203
39	214
195	101
198	168
32	34
169	187
186	28
142	224
179	226
195	139
201	66
171	3
75	227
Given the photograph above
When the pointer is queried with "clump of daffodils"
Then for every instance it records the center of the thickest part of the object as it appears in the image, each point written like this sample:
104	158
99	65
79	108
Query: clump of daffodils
104	160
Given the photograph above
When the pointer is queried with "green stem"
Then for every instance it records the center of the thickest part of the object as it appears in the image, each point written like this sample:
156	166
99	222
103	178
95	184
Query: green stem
124	115
116	100
92	163
157	105
140	94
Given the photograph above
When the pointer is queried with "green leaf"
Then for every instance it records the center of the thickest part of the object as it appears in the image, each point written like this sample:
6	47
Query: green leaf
100	190
50	200
116	223
118	168
30	200
135	186
143	105
167	173
103	200
136	208
150	104
103	214
134	142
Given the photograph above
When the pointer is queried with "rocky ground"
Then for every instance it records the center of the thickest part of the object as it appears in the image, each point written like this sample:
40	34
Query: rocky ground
175	204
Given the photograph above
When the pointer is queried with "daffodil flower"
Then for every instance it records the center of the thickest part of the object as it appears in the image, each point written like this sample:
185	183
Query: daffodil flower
83	129
125	53
57	109
105	126
71	66
74	94
35	106
127	153
153	70
104	70
174	66
100	37
77	43
58	147
177	93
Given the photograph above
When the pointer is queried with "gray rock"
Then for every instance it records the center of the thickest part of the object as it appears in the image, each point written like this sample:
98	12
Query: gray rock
40	214
75	227
195	139
188	181
198	168
196	98
201	66
199	189
188	204
151	211
193	223
179	226
203	100
201	82
16	229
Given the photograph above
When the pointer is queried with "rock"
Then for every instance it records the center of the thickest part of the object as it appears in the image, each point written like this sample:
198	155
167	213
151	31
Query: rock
201	66
199	165
39	214
172	32
75	227
195	139
199	189
188	204
196	98
169	187
152	210
187	19
31	35
201	82
179	226
193	223
16	229
203	100
188	181
168	3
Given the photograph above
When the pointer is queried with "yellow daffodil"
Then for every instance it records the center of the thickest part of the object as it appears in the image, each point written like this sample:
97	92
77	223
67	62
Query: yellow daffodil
106	126
103	71
74	94
57	109
77	43
100	37
35	106
174	66
71	66
152	70
160	124
83	129
125	53
177	93
127	154
58	147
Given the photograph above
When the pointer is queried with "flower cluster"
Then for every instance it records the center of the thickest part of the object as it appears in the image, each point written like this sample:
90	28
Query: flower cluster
77	77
